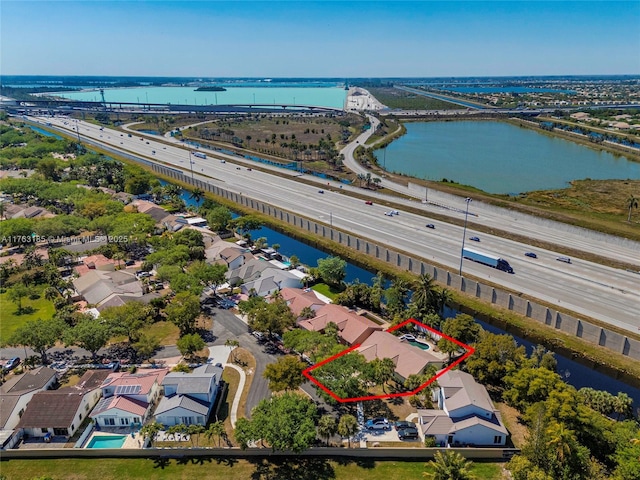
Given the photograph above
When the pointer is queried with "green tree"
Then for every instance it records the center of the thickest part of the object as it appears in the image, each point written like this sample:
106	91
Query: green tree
382	370
196	194
285	373
462	328
219	219
129	319
89	333
217	430
327	427
246	224
145	346
494	358
189	344
449	466
271	318
285	422
150	431
183	310
332	270
16	231
16	293
347	376
527	386
209	274
244	433
348	427
39	335
425	296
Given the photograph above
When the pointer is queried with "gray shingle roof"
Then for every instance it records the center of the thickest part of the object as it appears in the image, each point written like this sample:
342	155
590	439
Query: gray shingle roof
184	401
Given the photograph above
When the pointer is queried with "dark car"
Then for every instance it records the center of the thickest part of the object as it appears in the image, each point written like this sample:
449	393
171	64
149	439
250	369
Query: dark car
369	202
404	425
475	239
249	169
531	255
12	363
430	225
408	434
320	191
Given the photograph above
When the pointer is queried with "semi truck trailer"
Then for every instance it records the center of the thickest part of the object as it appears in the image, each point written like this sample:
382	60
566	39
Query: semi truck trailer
487	259
199	154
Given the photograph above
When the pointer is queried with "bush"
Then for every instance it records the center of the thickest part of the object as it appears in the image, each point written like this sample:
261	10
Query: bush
429	441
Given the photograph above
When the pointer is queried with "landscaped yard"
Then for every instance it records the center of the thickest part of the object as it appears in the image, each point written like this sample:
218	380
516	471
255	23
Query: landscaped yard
227	469
9	321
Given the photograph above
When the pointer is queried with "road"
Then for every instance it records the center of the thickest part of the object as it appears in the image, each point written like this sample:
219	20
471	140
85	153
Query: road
600	292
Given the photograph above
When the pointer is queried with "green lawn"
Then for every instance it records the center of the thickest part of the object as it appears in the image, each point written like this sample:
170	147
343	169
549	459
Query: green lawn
9	321
308	469
325	290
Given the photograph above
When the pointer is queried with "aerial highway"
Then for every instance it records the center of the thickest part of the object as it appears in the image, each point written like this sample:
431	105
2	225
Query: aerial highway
607	294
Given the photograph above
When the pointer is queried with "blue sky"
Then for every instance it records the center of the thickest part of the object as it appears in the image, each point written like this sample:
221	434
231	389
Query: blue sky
319	39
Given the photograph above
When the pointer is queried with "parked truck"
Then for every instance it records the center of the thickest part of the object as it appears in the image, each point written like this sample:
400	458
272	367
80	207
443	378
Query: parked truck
487	259
199	155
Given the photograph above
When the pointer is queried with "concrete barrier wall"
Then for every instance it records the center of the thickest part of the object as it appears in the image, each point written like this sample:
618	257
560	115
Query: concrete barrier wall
560	321
333	452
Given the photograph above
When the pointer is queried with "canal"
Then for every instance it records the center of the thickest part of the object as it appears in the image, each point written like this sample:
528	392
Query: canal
572	372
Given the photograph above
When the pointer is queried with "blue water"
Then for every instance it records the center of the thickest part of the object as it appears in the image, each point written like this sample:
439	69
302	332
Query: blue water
498	157
506	90
44	132
318	96
107	441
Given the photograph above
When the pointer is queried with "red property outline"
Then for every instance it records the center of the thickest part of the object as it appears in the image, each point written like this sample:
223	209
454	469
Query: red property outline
307	371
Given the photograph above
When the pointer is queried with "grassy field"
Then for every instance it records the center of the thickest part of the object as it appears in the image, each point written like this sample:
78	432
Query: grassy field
9	321
394	98
227	469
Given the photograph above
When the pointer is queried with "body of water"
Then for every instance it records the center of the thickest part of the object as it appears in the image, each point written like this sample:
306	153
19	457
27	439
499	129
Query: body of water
260	95
498	157
107	441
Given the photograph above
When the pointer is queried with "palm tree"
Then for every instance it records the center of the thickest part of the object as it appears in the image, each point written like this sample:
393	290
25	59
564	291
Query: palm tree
307	312
151	430
623	405
230	342
449	466
197	194
348	427
195	431
383	371
561	440
425	295
51	293
327	427
216	429
632	202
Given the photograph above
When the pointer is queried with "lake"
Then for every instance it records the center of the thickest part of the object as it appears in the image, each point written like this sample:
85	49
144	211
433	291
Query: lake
498	157
295	95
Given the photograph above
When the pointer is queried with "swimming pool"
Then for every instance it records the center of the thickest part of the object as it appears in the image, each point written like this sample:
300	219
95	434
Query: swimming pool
421	345
107	441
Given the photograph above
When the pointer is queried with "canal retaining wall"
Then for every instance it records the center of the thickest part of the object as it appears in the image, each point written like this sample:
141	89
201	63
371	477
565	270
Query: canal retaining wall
563	322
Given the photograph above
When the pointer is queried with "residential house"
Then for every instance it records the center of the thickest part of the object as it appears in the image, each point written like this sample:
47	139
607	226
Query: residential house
248	272
62	411
189	397
467	415
97	287
271	279
298	299
234	257
352	328
409	359
127	398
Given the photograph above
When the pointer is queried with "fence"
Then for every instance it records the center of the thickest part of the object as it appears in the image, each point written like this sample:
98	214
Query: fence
591	333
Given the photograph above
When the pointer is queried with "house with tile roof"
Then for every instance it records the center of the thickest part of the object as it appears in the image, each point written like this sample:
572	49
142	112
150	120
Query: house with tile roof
407	358
61	412
352	328
18	390
466	416
127	397
189	397
298	299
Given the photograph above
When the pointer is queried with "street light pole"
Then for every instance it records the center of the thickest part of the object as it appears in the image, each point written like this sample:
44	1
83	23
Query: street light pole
191	164
464	233
331	219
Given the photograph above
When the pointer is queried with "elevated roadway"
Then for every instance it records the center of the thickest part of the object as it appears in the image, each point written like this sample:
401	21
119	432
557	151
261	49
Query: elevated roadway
607	294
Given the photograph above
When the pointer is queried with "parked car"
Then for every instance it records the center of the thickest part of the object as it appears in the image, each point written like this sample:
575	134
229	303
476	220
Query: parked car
379	423
564	259
430	225
258	335
531	255
475	239
404	425
368	202
12	363
408	434
320	191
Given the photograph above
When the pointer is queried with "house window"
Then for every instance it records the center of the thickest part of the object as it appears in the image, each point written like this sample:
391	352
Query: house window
44	430
136	419
86	407
497	439
124	421
79	416
60	431
110	421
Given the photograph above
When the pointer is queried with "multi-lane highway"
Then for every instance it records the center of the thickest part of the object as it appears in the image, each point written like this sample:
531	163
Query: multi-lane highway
604	293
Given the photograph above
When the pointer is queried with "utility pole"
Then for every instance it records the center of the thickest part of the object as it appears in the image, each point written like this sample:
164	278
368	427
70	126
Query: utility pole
464	233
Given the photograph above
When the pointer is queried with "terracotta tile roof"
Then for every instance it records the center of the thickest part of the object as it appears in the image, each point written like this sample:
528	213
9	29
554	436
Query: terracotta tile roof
145	378
126	404
408	359
353	327
297	299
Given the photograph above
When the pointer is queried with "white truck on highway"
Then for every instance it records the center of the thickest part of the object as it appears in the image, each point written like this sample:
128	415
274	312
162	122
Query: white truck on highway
487	259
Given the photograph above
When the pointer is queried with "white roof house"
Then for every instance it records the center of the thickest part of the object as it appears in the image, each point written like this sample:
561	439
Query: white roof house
466	416
271	280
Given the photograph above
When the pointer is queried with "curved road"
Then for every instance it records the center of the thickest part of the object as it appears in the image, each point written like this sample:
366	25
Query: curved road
604	293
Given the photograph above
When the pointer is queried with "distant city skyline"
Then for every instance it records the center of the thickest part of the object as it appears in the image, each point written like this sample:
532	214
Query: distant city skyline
320	39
